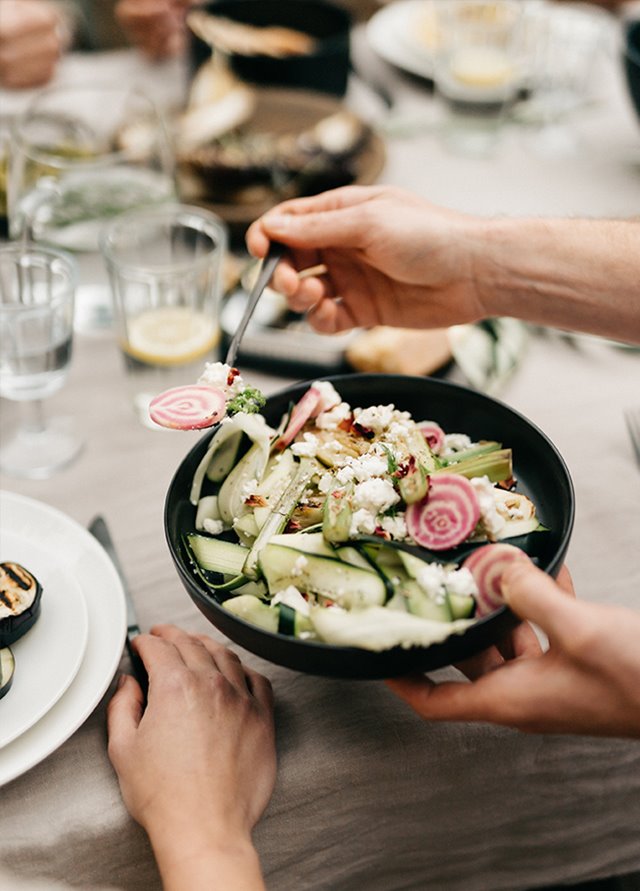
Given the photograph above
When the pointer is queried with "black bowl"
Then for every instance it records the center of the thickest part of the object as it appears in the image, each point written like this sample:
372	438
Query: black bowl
325	70
541	474
631	61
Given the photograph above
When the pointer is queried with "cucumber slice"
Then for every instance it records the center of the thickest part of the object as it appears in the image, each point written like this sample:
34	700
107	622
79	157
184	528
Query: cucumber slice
337	514
254	611
420	604
207	510
277	519
378	628
463	606
292	622
350	586
224	458
213	555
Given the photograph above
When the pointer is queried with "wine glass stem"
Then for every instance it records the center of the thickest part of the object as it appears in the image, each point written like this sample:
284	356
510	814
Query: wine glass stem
33	419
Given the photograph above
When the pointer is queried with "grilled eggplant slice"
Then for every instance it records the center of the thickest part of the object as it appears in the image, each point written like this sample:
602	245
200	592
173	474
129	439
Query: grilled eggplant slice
20	598
7	668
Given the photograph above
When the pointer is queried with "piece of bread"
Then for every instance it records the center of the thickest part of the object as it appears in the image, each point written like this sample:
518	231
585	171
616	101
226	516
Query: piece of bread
399	350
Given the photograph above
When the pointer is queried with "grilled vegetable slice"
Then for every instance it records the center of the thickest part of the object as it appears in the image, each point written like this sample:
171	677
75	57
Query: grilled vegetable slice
20	598
7	669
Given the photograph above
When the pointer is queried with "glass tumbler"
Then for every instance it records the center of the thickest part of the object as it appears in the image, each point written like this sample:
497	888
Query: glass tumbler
165	267
37	287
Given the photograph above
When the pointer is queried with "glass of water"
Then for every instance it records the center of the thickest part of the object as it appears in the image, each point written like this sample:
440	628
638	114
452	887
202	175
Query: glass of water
82	155
37	287
165	267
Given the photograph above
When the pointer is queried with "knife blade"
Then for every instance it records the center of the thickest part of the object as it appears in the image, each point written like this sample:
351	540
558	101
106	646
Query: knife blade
100	531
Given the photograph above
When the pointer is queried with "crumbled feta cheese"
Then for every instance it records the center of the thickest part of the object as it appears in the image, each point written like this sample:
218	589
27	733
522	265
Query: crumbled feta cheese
375	495
395	526
431	578
292	597
216	374
299	566
333	417
249	488
375	417
346	473
213	527
461	582
307	447
325	483
363	522
491	520
455	442
329	396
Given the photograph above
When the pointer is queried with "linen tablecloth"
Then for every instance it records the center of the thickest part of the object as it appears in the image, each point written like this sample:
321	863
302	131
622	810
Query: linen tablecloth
368	795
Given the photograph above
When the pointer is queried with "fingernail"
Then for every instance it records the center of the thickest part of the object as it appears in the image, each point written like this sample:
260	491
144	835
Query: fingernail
277	222
509	576
121	681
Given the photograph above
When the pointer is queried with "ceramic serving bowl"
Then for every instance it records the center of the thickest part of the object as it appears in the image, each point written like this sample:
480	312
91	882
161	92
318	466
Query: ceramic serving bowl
539	469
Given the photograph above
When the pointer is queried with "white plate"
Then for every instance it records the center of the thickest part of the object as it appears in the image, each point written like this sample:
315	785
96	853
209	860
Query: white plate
104	598
49	655
391	33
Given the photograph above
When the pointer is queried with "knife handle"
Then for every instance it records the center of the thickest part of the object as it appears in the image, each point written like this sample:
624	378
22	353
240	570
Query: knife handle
137	666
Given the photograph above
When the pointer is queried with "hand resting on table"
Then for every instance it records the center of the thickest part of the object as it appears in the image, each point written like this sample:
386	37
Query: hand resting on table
187	763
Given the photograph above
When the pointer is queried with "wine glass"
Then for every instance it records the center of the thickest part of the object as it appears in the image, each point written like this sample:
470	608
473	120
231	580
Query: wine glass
37	288
81	155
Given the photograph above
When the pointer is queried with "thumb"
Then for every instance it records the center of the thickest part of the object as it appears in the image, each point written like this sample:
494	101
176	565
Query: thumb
323	229
125	709
534	595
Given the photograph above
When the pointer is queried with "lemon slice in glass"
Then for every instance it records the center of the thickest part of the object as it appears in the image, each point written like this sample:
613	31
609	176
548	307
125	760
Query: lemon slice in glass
170	335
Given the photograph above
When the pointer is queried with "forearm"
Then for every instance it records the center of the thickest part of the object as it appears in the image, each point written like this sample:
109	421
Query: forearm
206	865
573	274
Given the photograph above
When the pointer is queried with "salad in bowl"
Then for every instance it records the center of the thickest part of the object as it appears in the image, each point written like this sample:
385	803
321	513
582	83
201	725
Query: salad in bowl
360	525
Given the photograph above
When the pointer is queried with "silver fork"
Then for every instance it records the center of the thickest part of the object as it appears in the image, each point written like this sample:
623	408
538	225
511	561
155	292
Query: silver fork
632	417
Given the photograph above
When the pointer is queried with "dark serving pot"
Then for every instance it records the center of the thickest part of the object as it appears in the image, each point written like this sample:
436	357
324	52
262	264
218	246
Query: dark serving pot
631	60
539	469
325	70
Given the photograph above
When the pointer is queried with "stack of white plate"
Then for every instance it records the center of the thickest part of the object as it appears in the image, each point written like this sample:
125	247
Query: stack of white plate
66	661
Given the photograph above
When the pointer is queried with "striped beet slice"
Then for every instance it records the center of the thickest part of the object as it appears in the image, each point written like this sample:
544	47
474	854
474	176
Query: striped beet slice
188	408
486	565
305	408
434	434
447	515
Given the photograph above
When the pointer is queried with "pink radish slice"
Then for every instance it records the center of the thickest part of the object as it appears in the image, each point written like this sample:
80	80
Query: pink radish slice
447	515
486	565
306	408
434	434
188	408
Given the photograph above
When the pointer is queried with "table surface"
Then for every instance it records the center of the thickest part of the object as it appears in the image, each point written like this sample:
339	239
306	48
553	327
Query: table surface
369	796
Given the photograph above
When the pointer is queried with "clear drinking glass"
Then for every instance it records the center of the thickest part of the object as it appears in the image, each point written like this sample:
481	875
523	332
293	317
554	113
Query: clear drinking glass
82	155
165	267
36	330
477	70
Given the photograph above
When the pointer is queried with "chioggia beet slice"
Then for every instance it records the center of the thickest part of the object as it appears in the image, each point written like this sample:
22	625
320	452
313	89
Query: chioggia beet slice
434	434
447	515
188	408
487	565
